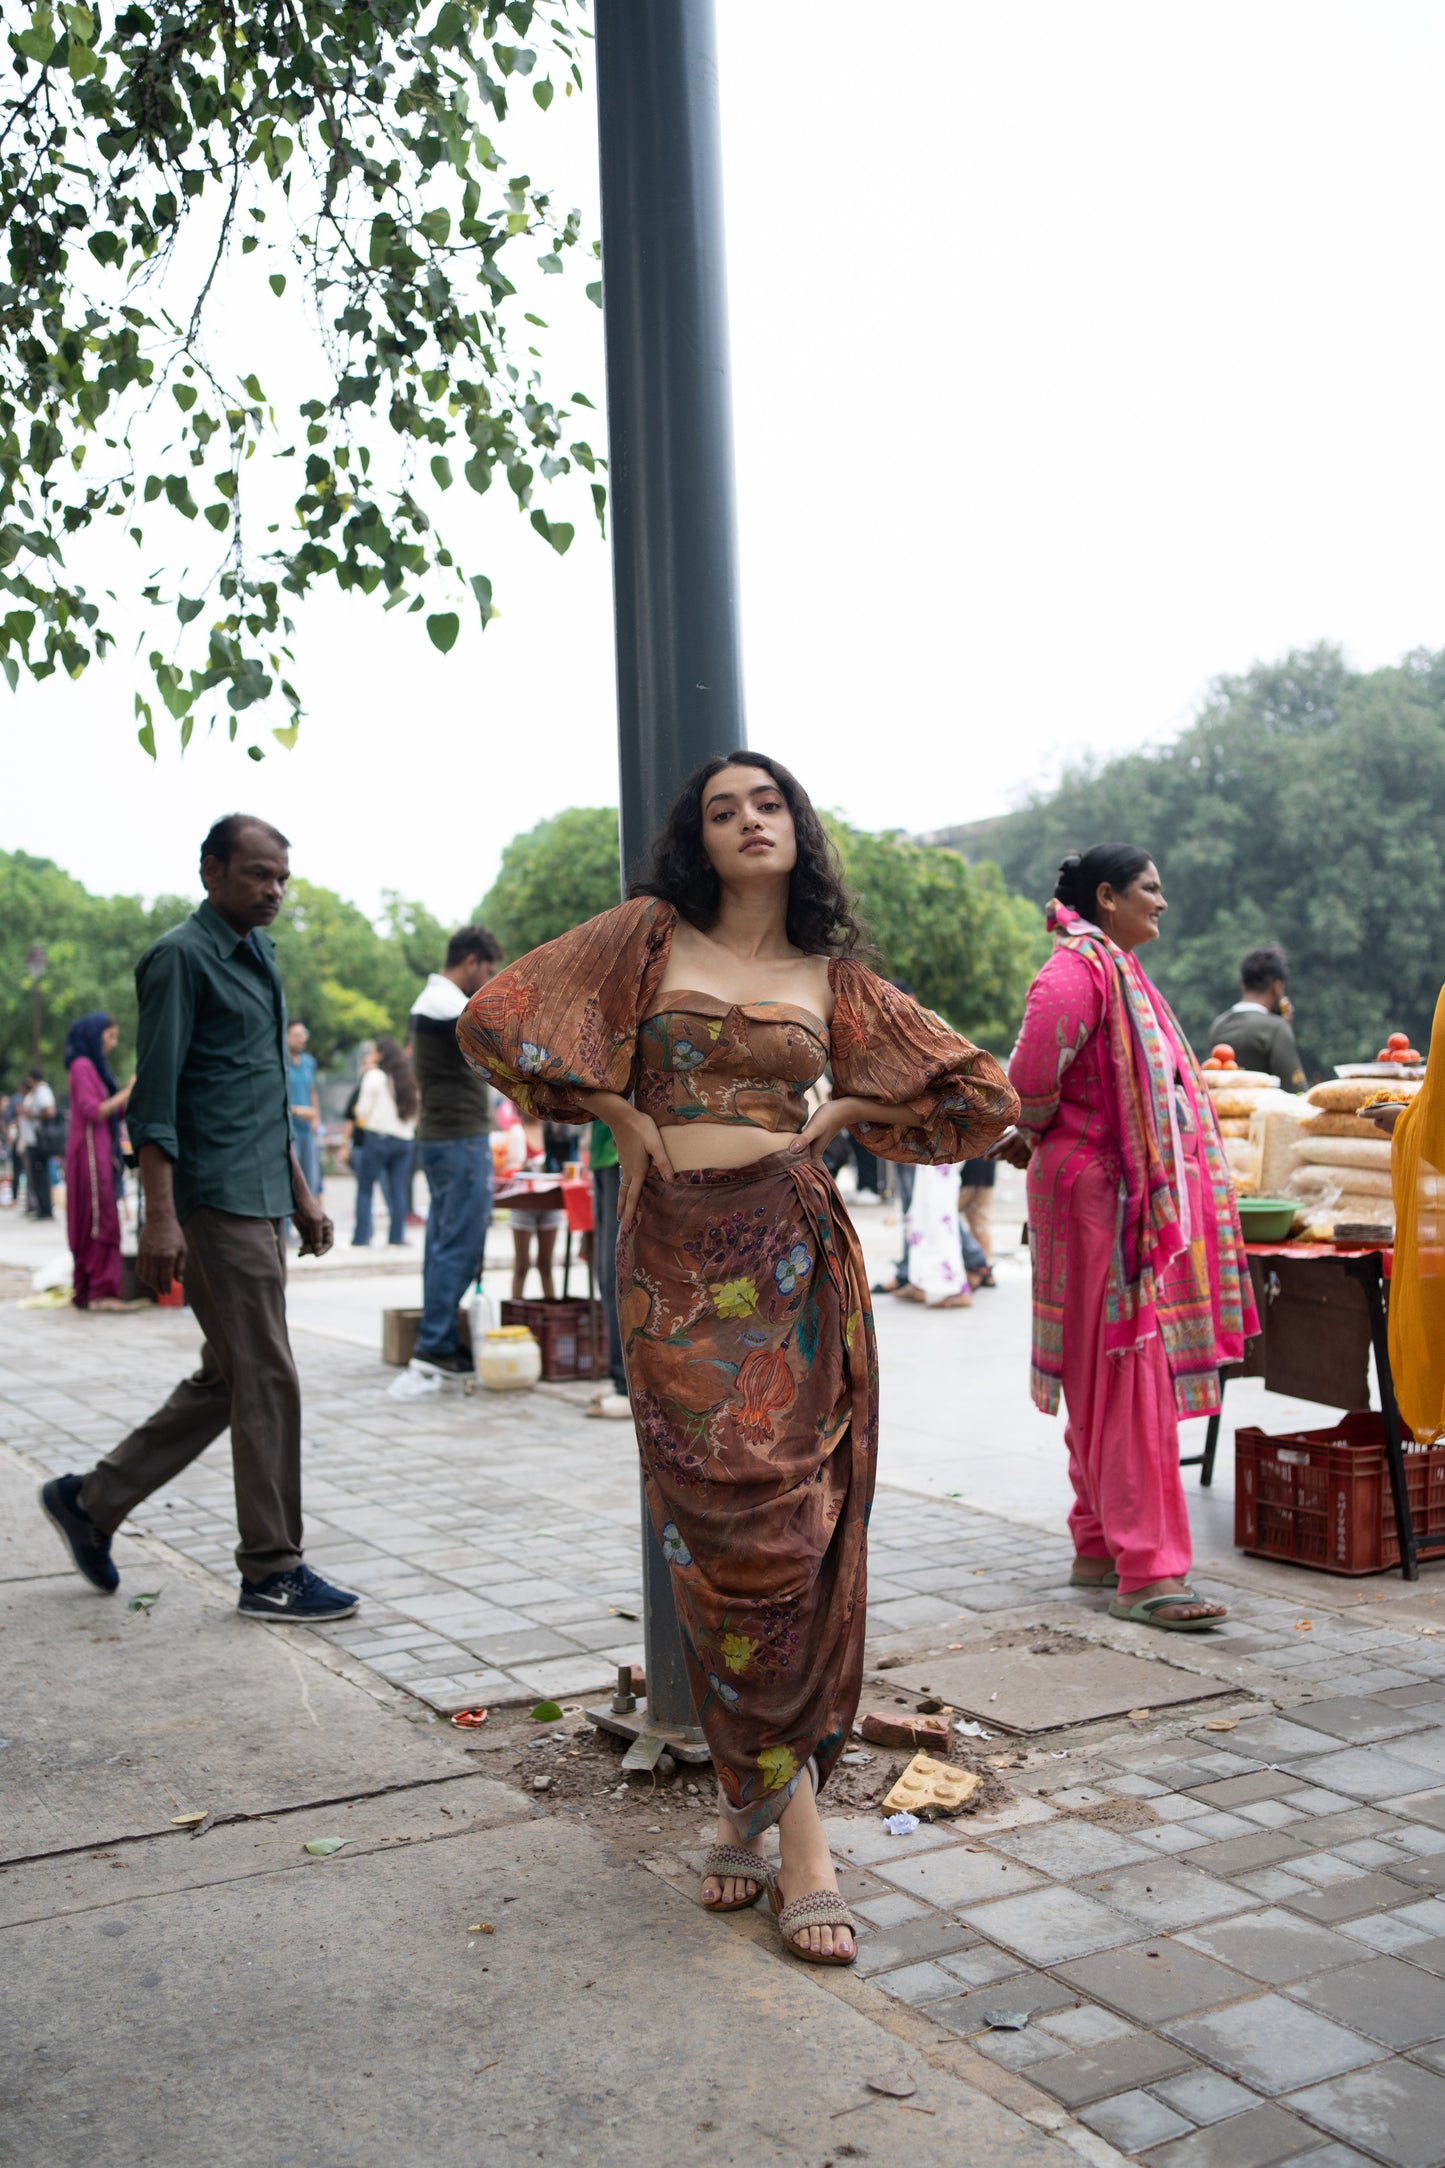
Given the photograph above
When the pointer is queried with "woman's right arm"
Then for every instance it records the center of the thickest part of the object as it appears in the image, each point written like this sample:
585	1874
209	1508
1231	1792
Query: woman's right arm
1065	1005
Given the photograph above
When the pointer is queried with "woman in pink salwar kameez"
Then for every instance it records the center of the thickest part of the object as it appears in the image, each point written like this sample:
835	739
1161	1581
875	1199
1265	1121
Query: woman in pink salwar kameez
93	1162
1141	1290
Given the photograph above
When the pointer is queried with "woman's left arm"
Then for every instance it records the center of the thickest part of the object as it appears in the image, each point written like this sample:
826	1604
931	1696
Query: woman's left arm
907	1086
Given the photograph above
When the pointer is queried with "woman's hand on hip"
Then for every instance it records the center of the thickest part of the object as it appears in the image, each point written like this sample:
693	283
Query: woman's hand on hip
639	1149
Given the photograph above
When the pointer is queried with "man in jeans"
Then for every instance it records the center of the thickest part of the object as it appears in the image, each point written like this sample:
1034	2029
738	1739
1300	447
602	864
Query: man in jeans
210	1119
454	1147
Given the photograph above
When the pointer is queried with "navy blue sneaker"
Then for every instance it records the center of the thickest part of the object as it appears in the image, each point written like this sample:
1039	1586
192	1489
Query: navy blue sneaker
300	1596
89	1548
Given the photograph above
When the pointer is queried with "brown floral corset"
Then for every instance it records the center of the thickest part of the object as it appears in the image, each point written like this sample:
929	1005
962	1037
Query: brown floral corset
701	1059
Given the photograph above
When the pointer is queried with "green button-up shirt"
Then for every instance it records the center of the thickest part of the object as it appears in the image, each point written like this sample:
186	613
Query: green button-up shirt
210	1085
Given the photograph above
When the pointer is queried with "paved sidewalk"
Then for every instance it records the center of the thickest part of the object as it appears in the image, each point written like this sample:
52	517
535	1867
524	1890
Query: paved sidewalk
1226	1931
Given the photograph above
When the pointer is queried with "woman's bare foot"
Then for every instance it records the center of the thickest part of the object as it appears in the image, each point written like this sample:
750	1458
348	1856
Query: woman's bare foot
963	1300
1189	1606
807	1865
1091	1569
727	1889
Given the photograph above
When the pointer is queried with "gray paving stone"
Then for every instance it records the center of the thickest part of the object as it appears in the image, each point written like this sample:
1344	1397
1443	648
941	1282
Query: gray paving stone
1364	1772
1256	2139
1429	1954
1324	1869
866	1843
1429	1913
1277	1738
1383	1998
967	2012
889	1910
1244	1855
1115	2066
954	1875
1272	2044
1151	1981
1168	1893
1395	2111
1419	1873
917	1983
1273	1945
1384	1931
1204	2096
980	1966
1331	2156
1431	2057
1367	1852
1420	1839
1172	1838
1272	1883
1067	1849
930	1936
1349	1900
1015	2050
1216	1824
1327	1827
1358	1718
1426	1807
1270	1813
1050	1925
1131	2121
1085	2025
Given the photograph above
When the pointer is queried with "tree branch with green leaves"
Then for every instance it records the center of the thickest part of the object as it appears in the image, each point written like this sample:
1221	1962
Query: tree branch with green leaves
144	157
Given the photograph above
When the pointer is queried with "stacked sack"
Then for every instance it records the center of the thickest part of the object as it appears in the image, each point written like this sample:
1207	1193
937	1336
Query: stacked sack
1239	1095
1341	1171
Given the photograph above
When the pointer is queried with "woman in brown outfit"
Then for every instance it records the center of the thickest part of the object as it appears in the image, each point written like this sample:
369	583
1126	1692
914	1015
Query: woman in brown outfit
692	1020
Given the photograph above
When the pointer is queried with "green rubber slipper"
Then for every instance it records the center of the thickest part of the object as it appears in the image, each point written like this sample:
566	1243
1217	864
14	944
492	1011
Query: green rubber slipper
1142	1613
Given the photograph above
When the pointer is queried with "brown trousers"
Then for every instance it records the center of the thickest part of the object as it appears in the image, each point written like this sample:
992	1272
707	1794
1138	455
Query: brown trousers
236	1285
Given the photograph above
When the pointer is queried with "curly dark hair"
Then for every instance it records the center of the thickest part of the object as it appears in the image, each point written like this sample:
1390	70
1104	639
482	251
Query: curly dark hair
822	919
402	1075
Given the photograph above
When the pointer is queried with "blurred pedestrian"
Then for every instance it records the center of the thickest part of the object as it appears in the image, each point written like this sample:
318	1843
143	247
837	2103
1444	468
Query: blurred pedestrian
387	1101
209	1116
94	1174
305	1104
1259	1027
936	1273
38	1143
611	1402
453	1147
975	1203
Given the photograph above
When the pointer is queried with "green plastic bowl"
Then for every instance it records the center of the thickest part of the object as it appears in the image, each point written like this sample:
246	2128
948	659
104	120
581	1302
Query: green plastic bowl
1267	1219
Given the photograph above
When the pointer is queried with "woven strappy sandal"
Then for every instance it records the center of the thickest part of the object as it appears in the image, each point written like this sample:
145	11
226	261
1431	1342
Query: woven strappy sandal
822	1908
730	1862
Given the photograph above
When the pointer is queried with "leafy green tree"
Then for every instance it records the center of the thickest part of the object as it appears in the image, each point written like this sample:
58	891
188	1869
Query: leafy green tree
347	978
1305	806
950	930
560	873
146	154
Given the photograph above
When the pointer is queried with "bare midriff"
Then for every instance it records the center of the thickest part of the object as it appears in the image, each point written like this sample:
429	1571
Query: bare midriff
721	1144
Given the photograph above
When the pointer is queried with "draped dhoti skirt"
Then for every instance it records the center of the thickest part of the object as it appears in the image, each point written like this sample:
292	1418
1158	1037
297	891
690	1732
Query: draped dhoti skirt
753	1375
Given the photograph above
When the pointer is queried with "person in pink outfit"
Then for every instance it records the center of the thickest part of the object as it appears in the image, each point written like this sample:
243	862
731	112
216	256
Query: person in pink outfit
1141	1288
93	1161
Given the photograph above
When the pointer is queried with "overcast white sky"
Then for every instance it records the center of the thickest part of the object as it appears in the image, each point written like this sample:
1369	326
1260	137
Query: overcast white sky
1081	352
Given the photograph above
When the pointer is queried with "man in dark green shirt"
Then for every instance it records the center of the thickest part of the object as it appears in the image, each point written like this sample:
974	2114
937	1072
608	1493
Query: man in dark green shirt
1258	1027
210	1120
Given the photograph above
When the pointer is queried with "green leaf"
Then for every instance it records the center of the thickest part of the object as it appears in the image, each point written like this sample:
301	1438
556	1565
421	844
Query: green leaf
558	532
547	1712
442	472
277	282
443	630
594	292
286	734
324	1847
150	1597
184	396
551	263
543	93
219	516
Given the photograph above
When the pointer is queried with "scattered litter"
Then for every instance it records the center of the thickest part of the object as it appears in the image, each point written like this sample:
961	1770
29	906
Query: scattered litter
542	1784
897	2085
483	1927
145	1601
190	1821
857	1759
414	1384
901	1825
1006	2020
618	1612
929	1787
967	1729
546	1712
471	1719
323	1847
1221	1723
993	1697
1304	1626
1137	1716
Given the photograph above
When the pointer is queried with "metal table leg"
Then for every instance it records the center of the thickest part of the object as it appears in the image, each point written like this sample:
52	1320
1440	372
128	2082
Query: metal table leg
1204	1461
1370	1273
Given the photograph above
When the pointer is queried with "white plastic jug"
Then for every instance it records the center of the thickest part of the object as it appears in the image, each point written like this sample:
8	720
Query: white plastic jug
481	1319
508	1359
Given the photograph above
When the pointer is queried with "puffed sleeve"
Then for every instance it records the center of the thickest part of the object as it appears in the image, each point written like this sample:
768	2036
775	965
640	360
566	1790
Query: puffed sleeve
1065	1005
885	1046
563	1018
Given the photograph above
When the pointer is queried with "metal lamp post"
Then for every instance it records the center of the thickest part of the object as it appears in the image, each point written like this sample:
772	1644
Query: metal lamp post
675	592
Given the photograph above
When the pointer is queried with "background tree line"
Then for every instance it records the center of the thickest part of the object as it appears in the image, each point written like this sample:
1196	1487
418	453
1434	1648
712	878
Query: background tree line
348	977
1305	805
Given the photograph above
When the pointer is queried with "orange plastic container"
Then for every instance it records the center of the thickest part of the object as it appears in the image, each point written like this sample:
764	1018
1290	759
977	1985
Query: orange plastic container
1322	1498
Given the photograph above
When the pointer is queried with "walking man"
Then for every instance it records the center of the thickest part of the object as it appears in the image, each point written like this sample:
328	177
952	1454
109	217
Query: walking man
305	1104
210	1119
454	1148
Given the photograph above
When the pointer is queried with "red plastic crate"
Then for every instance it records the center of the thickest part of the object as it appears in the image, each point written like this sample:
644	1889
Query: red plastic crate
1322	1498
569	1331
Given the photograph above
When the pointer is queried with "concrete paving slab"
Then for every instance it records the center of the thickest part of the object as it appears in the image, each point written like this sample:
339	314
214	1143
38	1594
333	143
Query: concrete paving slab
1168	1893
1204	2096
1027	1692
1383	1998
221	1713
1130	2121
1277	1737
1049	1925
1352	1900
957	1875
1151	1981
1359	1719
1364	1772
1257	2139
1273	1945
1066	1849
387	2033
1272	2044
1113	2067
1395	2111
